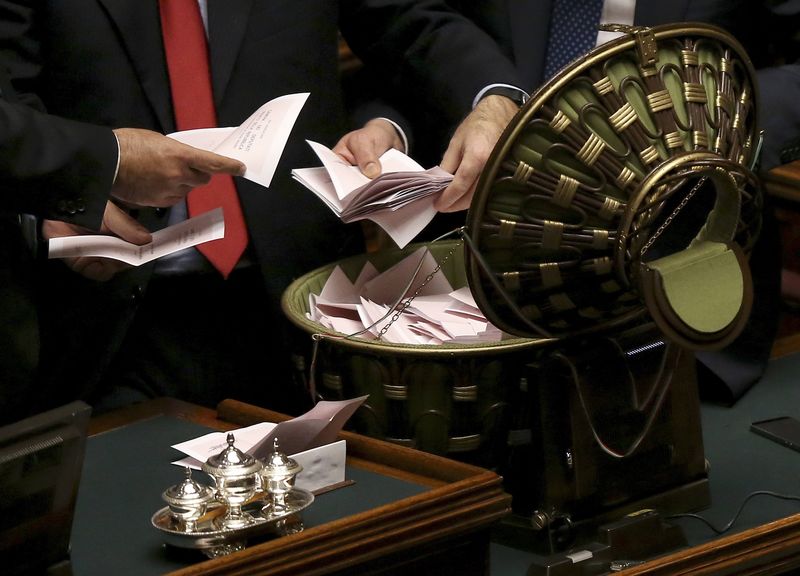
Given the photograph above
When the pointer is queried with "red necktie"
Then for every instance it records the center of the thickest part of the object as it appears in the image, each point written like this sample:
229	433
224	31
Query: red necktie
190	81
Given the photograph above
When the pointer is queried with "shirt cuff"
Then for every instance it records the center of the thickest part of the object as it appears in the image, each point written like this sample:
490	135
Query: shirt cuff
119	157
399	132
516	94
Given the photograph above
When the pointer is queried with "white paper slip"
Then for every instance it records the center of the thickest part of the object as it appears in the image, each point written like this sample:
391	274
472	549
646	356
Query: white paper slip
203	228
258	142
323	466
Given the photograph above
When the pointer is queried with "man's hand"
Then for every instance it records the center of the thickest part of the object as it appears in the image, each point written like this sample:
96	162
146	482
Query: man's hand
470	148
155	170
364	146
115	221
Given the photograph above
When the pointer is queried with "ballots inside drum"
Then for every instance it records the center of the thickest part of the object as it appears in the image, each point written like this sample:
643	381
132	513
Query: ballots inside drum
447	399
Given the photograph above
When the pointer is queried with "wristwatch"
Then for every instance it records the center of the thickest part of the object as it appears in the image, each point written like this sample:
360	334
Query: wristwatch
517	95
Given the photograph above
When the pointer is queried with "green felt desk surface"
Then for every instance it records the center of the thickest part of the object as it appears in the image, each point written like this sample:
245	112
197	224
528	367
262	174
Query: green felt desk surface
125	472
741	462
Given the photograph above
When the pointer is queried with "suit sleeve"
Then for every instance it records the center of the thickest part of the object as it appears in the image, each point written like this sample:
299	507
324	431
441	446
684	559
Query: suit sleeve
436	56
53	167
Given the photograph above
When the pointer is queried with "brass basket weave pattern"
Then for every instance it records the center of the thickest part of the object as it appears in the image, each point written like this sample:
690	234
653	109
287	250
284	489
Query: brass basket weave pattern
604	159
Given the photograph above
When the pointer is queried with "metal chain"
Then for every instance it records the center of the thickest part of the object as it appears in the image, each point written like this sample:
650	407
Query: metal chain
671	217
404	305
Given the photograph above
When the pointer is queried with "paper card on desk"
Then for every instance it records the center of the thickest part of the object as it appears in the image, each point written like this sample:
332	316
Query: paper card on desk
400	200
317	427
293	436
322	466
310	439
258	142
336	412
208	226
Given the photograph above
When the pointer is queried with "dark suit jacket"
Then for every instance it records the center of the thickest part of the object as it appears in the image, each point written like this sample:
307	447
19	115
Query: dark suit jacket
53	168
521	27
102	61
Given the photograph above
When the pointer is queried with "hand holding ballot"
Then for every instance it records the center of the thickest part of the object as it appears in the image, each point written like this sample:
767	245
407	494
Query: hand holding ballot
99	256
252	150
400	200
258	142
68	241
470	148
158	171
364	146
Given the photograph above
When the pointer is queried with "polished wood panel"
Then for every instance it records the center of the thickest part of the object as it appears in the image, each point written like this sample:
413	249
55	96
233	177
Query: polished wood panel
785	345
782	184
784	181
773	548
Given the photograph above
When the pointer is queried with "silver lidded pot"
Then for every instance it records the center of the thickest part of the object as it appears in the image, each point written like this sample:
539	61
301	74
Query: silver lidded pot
188	501
278	477
237	480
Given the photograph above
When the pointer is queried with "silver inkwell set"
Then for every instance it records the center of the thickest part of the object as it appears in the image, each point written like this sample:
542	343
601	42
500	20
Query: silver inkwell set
248	498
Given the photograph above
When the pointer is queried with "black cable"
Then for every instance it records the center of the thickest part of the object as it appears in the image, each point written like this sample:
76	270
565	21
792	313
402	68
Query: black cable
738	512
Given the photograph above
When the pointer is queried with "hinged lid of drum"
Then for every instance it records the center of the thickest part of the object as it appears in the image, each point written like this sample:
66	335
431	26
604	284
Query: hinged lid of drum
622	189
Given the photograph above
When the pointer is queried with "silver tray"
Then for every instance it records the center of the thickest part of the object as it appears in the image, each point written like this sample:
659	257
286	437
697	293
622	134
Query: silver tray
215	541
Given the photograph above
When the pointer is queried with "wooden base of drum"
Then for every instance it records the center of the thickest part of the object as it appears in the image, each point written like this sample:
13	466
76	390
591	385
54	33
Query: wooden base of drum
585	402
547	419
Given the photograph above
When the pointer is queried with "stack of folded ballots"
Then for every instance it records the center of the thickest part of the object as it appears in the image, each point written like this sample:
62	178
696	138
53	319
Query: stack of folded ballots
400	200
437	314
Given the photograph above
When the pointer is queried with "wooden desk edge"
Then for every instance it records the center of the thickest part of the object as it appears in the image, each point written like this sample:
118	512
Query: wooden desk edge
776	542
785	346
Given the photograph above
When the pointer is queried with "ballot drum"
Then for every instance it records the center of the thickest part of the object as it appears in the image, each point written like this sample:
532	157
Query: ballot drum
511	406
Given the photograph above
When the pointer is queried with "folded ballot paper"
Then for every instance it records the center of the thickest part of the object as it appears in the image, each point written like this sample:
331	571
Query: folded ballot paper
208	226
310	439
258	142
400	200
365	307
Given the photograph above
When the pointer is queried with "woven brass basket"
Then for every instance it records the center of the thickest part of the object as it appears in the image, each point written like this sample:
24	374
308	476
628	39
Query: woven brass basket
445	399
624	189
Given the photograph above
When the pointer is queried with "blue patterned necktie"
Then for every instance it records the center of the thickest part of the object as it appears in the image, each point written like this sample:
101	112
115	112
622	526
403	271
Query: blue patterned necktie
573	32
